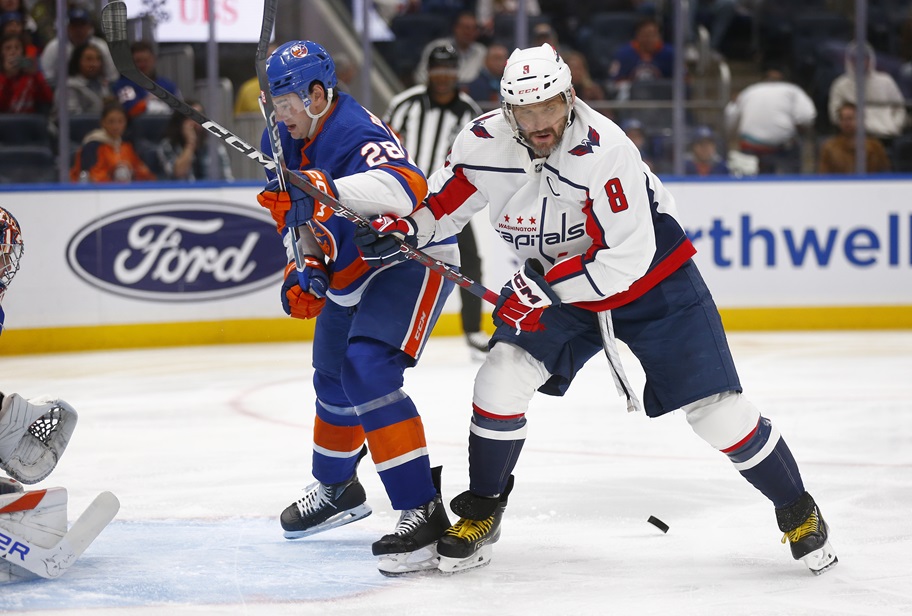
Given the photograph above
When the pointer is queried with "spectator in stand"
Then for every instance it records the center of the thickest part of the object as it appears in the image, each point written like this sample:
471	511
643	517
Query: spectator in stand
183	155
487	10
87	87
486	87
837	155
79	32
644	57
464	38
12	22
247	99
22	88
30	28
585	86
885	107
704	158
105	156
136	100
769	117
633	128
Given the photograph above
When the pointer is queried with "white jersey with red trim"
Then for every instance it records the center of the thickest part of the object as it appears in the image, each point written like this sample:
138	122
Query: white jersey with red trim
593	213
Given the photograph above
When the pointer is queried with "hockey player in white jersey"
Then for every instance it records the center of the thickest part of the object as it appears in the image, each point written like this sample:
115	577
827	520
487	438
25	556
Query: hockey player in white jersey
605	256
33	435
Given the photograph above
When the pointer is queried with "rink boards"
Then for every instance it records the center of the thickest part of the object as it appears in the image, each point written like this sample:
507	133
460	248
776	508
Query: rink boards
159	265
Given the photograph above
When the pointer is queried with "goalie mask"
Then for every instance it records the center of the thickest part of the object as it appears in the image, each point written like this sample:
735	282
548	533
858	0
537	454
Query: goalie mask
292	69
11	248
534	76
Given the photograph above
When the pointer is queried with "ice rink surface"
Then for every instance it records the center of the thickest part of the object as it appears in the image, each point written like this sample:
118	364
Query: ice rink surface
204	446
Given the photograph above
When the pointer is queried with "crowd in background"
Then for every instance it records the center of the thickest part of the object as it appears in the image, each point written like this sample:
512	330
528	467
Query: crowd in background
794	112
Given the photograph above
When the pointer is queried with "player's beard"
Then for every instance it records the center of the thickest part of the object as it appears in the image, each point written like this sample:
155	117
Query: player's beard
544	151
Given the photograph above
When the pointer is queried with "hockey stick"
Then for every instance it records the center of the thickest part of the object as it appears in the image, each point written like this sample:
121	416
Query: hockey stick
54	561
114	22
272	128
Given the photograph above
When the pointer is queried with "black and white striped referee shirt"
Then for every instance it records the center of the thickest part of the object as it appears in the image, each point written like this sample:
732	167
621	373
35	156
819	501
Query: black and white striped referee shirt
426	129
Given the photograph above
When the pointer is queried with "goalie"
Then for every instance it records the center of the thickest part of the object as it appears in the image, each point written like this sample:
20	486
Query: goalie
33	435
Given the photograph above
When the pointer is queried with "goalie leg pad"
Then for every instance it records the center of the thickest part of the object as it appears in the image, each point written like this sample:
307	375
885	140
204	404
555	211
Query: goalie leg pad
29	519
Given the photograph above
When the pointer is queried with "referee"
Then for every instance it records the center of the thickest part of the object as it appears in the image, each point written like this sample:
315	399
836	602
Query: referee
427	118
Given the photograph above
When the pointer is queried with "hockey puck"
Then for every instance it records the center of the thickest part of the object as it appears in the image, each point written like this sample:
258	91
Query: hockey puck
662	526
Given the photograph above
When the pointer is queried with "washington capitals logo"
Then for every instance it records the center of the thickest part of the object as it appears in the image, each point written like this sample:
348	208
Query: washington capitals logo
588	143
480	131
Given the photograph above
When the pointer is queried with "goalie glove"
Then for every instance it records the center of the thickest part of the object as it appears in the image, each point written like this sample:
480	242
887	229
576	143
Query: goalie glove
33	435
380	242
523	300
304	292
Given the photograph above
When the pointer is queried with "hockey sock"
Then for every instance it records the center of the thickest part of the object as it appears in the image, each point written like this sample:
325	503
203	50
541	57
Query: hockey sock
495	443
372	375
764	459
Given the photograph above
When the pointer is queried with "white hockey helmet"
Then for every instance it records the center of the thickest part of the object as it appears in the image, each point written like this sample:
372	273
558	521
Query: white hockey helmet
532	76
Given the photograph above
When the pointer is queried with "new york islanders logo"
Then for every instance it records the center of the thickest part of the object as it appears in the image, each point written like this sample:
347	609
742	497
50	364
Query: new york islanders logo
298	51
588	143
480	131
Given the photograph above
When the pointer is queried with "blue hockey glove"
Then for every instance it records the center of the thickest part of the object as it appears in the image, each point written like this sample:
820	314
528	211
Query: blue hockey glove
380	242
524	298
304	292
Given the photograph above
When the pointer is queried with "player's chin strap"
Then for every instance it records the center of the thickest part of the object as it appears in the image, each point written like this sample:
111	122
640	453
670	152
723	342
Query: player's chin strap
330	93
606	327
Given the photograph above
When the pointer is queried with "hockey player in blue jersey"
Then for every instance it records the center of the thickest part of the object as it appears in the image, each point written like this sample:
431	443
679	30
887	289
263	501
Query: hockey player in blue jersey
371	324
565	186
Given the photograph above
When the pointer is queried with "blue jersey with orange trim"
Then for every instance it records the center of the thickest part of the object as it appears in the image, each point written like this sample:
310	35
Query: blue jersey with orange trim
352	141
592	212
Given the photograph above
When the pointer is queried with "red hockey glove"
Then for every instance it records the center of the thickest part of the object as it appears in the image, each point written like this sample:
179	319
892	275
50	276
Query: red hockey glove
379	242
298	302
524	299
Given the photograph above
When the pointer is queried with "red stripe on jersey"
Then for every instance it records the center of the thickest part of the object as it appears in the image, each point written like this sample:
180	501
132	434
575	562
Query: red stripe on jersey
484	413
26	502
660	272
453	194
741	443
421	321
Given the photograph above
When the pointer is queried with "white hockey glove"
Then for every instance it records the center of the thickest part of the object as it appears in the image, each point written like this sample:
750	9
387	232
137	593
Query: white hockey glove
33	435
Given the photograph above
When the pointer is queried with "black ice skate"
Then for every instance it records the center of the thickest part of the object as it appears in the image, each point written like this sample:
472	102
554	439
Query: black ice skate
326	506
411	547
469	543
807	534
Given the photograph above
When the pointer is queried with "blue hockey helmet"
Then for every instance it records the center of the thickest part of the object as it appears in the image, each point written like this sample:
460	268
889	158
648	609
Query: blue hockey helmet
297	64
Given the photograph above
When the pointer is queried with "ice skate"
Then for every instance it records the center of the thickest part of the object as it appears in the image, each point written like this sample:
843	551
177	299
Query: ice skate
468	544
808	539
478	345
326	506
411	547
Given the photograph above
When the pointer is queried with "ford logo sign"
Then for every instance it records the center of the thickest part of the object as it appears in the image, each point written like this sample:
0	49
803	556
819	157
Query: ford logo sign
179	251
